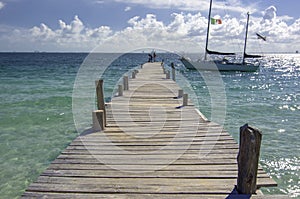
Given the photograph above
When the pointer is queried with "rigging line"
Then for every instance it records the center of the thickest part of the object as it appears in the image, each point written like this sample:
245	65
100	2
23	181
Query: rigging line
236	45
260	48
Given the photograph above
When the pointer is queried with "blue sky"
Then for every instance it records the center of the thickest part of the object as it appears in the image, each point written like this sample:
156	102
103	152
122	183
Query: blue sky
126	25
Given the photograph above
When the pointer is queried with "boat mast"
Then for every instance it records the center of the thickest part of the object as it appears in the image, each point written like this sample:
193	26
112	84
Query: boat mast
245	45
208	26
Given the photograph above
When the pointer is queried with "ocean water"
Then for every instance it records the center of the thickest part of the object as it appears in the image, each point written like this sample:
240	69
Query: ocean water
36	118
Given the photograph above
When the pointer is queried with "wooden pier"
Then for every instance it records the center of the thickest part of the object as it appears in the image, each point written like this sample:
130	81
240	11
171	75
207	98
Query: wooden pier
152	147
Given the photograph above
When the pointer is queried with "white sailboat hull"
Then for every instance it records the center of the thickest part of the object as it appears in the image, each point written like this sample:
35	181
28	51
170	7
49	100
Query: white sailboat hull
219	66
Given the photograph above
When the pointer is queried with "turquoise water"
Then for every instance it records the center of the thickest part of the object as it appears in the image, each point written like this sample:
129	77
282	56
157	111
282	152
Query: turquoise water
270	100
36	120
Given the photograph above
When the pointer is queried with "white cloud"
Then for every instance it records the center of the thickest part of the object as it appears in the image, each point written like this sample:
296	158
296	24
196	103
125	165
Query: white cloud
185	32
295	27
270	13
75	27
278	31
69	37
99	2
192	5
1	5
128	8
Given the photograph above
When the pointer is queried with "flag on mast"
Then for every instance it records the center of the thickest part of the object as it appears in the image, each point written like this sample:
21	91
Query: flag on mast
214	21
259	36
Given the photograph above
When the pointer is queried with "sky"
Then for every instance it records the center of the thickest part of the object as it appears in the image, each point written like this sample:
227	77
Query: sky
128	25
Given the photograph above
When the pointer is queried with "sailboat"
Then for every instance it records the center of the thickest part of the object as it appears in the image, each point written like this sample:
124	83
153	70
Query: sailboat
225	64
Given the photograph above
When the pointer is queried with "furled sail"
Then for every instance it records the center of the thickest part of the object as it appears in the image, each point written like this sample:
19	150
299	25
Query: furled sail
218	53
252	56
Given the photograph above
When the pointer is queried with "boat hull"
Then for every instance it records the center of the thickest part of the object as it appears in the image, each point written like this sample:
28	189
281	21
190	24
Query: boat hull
219	66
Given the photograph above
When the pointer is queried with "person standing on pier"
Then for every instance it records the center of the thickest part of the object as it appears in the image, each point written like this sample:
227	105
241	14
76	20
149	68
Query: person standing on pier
154	56
150	57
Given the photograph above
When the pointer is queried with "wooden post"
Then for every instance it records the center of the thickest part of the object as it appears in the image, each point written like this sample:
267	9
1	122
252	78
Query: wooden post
125	83
98	120
180	93
100	97
185	99
173	72
168	75
120	89
248	158
133	74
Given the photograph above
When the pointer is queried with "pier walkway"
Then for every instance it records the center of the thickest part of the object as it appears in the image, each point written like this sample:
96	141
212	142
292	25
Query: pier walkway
152	147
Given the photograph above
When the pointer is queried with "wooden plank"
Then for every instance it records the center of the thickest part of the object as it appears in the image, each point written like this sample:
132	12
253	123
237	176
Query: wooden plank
170	167
211	174
133	185
148	196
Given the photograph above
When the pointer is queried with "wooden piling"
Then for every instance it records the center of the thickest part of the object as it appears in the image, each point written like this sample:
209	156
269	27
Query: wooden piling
133	74
248	158
120	90
173	72
98	120
180	93
125	83
185	99
100	97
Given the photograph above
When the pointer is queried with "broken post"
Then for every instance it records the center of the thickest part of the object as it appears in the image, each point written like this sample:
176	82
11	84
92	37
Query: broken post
100	98
98	120
248	158
185	99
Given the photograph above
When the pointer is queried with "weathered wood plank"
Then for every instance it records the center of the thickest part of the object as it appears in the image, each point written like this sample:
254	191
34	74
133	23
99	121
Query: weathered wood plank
210	174
147	196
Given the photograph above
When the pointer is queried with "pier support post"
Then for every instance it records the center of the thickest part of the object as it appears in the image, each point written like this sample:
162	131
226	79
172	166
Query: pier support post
98	120
125	83
180	93
100	98
248	158
133	75
120	90
185	99
173	72
168	75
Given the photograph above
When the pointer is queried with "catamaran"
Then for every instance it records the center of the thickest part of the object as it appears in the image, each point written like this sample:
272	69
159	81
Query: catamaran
225	64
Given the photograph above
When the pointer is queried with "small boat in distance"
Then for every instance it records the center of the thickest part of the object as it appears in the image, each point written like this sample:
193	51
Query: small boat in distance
225	64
